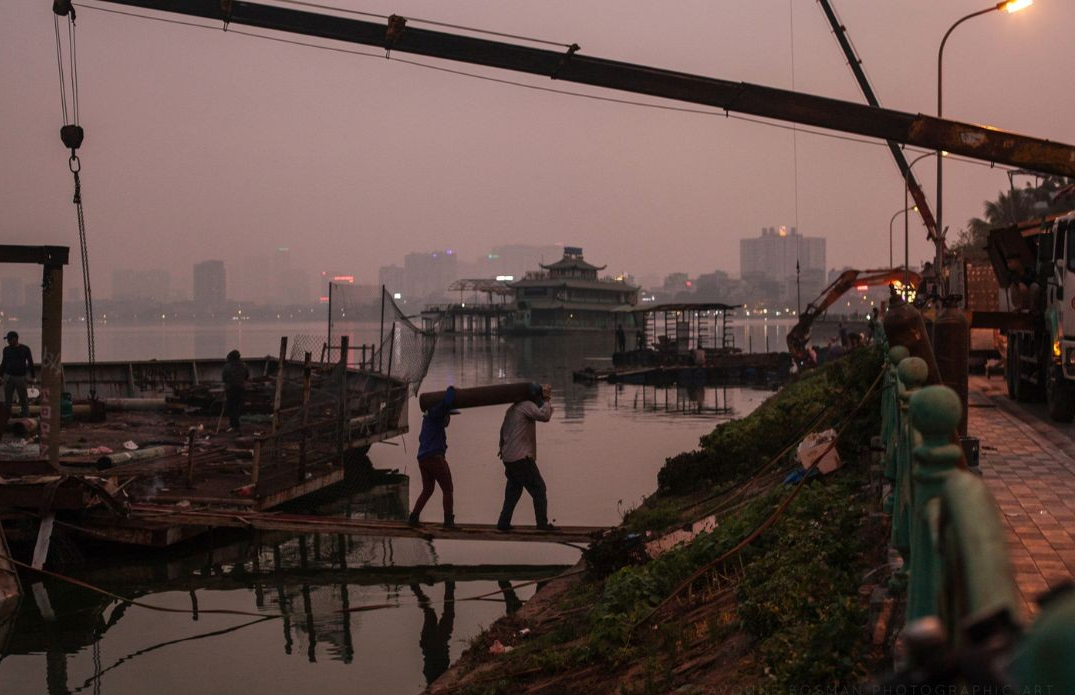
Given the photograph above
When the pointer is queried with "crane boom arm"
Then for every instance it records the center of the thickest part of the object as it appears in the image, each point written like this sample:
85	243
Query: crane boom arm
977	142
799	335
855	64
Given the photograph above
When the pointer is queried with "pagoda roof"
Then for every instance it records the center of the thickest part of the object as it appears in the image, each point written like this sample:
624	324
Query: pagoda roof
577	283
570	263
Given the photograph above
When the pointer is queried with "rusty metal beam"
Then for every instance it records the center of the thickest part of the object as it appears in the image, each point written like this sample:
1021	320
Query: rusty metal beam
968	140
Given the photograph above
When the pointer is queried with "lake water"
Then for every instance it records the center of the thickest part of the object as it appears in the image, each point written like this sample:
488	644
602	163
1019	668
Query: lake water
599	456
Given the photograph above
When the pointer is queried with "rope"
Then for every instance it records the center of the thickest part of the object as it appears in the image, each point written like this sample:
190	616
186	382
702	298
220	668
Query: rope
689	581
91	343
59	65
71	135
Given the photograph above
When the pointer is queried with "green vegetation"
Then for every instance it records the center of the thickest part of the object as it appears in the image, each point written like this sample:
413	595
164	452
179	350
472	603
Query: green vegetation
738	448
797	599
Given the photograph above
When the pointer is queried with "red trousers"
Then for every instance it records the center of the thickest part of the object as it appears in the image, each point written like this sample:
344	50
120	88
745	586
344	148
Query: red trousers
434	471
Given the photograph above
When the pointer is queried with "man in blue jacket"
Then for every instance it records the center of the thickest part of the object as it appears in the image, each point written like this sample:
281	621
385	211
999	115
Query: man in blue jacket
432	445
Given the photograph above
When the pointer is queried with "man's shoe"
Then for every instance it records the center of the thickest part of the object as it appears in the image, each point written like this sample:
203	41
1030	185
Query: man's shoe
504	528
413	522
547	527
449	522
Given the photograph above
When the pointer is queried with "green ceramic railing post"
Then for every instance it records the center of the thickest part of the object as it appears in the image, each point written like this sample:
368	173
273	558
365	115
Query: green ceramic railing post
935	412
911	373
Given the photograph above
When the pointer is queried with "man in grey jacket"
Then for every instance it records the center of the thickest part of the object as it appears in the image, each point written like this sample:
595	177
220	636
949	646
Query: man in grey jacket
518	451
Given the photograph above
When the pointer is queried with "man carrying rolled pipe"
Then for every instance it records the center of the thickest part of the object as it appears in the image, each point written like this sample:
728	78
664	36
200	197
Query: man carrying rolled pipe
518	451
432	445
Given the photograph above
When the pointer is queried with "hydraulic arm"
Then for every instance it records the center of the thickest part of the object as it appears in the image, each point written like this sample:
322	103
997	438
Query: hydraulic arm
867	91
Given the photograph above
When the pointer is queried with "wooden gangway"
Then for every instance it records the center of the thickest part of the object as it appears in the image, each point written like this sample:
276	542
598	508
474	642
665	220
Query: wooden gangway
143	515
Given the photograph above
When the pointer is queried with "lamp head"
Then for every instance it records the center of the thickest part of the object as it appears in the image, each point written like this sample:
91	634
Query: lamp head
1012	6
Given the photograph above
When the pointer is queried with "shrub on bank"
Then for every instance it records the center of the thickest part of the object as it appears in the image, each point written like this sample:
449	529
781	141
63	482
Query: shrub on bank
737	448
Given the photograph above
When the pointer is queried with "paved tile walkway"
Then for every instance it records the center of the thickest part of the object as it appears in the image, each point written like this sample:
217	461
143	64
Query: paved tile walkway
1029	464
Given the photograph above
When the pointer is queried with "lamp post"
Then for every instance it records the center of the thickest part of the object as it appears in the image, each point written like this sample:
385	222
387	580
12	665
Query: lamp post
906	221
894	216
1008	6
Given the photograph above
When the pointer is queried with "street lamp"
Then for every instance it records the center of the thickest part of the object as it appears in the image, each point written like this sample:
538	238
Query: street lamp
894	216
1009	6
906	221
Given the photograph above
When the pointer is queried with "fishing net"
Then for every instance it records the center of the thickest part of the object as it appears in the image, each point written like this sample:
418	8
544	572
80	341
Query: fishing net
399	348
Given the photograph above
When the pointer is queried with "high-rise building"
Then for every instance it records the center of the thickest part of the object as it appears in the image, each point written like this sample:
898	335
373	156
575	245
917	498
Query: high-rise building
773	255
428	275
209	284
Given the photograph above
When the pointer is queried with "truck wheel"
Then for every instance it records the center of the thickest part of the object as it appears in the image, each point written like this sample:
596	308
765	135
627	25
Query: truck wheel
1059	395
1025	391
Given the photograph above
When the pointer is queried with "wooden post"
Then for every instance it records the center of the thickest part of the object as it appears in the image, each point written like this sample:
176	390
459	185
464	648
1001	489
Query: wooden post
344	411
305	415
278	398
51	370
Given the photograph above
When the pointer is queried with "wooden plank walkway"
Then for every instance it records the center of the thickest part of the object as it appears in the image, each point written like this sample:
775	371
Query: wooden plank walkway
301	523
1028	462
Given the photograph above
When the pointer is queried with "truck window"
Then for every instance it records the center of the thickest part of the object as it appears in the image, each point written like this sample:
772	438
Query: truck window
1045	253
1069	229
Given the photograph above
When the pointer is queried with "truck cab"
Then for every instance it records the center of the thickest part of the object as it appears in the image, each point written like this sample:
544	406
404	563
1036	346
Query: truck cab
1035	267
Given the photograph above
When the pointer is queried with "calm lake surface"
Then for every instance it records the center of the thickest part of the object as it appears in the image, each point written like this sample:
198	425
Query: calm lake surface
599	456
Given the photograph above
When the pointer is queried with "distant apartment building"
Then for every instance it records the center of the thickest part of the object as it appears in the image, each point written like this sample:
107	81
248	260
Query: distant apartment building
428	275
773	255
772	258
391	276
210	287
141	285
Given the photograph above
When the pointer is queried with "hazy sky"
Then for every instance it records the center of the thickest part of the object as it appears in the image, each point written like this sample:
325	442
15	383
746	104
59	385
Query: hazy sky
206	144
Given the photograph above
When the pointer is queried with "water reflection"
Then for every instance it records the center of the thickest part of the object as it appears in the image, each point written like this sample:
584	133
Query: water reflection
314	581
604	445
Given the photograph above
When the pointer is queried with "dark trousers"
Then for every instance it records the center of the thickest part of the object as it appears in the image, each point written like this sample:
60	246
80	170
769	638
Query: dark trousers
233	404
524	475
434	471
16	385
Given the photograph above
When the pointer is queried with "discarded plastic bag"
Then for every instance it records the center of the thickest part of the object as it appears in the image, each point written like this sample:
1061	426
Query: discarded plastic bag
814	450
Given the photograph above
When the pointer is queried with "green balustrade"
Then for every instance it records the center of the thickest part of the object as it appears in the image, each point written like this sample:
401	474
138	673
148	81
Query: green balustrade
949	532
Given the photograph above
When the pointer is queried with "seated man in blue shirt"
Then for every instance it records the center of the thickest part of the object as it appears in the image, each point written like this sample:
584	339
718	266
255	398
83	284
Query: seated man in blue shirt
432	445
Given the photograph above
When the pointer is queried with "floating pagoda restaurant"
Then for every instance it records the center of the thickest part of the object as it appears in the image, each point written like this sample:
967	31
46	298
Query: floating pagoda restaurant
568	296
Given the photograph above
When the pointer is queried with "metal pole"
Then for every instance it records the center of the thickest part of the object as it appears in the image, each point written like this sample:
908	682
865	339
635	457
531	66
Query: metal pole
941	232
329	322
51	365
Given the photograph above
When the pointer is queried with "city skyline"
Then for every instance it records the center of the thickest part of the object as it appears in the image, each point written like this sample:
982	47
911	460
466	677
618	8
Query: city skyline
448	161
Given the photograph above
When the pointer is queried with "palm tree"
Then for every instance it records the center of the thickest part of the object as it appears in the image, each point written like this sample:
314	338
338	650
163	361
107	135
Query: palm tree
1011	207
